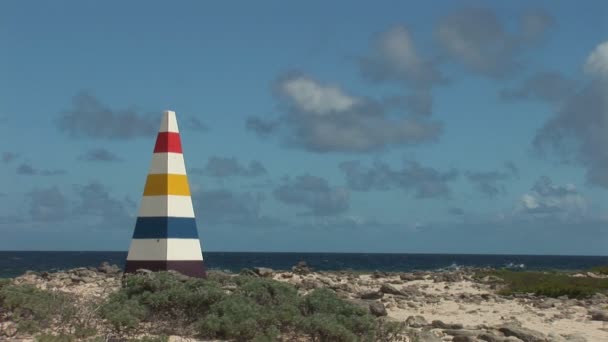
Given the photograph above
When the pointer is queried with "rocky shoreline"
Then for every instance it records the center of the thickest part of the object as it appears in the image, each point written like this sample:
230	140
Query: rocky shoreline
452	305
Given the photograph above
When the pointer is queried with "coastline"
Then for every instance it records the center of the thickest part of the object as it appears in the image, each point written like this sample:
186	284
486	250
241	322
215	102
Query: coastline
15	263
447	305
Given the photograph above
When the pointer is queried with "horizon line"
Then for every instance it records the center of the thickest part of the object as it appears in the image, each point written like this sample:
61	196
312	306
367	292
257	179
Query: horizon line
301	252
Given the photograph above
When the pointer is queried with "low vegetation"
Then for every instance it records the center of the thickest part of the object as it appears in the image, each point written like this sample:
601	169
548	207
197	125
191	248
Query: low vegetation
234	307
253	308
35	310
549	284
600	270
239	308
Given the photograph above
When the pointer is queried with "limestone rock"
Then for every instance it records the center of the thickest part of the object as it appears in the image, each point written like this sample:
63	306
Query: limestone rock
106	268
441	325
8	329
410	277
378	275
548	303
377	309
490	337
463	338
248	272
416	321
301	268
427	336
87	279
390	289
553	337
524	334
310	284
371	295
575	338
410	291
599	315
463	332
263	271
450	277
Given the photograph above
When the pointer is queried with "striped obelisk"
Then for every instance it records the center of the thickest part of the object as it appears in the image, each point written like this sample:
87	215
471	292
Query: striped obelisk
165	236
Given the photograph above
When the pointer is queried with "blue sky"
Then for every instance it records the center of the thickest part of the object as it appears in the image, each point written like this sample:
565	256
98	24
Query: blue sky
393	126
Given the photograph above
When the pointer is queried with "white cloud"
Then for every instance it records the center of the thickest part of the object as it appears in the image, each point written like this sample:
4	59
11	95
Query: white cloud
394	57
310	96
322	118
597	62
397	46
547	199
529	202
479	40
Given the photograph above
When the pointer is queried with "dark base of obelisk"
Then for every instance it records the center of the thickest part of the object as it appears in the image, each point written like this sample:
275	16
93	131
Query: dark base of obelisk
192	268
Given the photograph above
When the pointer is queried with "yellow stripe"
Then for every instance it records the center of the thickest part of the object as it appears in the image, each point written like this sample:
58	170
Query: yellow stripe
167	184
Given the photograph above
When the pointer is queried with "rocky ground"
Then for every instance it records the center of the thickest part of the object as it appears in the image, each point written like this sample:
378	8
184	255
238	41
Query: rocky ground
452	306
438	306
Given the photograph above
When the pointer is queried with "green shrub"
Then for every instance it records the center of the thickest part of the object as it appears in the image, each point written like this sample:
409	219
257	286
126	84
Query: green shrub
83	331
388	331
266	291
262	309
326	327
279	298
122	312
550	284
165	295
67	338
33	309
329	318
600	270
219	277
55	338
150	339
255	309
236	317
172	303
259	310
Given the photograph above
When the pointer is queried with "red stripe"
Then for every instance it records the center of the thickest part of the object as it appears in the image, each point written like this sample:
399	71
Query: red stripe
168	142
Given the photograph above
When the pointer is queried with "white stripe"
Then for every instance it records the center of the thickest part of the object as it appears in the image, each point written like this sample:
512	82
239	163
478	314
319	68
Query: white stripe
148	249
170	205
165	249
184	249
169	122
167	162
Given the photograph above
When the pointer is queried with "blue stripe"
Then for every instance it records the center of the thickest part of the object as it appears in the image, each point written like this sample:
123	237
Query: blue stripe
165	228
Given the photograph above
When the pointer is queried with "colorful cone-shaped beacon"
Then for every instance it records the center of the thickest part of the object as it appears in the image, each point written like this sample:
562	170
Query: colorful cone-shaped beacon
165	236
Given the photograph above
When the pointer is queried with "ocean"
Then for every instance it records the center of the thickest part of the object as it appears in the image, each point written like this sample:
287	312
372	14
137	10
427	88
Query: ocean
14	263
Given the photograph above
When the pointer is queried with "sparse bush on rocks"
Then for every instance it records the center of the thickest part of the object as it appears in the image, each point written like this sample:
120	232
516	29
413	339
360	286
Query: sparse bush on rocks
171	302
328	318
258	308
600	270
241	308
33	309
223	306
389	331
55	338
549	284
122	312
250	307
149	339
166	296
